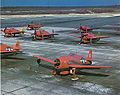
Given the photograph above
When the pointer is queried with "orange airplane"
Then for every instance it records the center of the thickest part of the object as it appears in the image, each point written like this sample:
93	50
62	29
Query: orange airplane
68	64
11	32
86	28
87	37
34	26
6	50
42	34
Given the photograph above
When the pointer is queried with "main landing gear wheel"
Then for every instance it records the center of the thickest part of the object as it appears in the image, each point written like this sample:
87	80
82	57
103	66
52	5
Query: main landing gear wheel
53	72
72	71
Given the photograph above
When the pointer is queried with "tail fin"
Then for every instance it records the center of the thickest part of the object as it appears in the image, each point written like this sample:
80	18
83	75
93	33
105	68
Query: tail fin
16	46
89	57
3	30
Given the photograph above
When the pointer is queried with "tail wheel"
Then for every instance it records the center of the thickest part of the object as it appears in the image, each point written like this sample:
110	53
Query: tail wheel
89	62
39	61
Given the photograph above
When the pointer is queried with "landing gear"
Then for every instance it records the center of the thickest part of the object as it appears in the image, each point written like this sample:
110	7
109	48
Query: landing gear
53	72
81	41
13	35
72	71
22	33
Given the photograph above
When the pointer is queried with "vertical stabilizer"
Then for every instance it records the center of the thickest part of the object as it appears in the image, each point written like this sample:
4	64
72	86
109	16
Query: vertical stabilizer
16	46
89	57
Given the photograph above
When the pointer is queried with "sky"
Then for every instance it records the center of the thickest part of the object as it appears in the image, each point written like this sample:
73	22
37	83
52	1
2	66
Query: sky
59	2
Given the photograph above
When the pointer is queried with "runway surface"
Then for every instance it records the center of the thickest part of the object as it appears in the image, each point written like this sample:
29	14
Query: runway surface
22	76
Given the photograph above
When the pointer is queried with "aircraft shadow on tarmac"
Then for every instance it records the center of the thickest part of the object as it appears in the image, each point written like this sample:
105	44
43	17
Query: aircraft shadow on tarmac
78	72
13	58
58	40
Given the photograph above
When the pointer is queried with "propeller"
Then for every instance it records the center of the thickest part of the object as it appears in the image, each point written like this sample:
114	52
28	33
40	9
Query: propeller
22	31
39	61
42	36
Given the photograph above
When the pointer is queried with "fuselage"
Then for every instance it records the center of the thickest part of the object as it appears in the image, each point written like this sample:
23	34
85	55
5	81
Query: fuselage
34	26
42	34
88	38
63	62
85	28
6	50
12	32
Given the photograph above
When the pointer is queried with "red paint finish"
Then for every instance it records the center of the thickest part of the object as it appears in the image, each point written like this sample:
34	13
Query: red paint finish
42	34
85	28
34	26
6	49
10	32
72	61
90	38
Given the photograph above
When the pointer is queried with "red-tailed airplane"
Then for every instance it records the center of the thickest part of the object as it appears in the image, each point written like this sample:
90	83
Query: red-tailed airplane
6	50
68	64
86	28
42	34
11	32
34	26
87	37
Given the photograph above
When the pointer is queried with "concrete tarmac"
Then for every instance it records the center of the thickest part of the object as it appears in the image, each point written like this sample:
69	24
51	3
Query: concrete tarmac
21	75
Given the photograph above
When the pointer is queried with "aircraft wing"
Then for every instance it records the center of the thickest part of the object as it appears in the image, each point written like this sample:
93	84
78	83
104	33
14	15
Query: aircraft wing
7	52
100	37
88	66
45	59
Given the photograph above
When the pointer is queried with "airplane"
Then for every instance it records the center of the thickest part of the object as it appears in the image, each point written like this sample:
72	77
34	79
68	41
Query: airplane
86	28
87	37
7	50
11	32
67	65
42	34
34	26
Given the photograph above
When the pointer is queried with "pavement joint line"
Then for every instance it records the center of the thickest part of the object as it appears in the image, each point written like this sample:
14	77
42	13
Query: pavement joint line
17	89
5	92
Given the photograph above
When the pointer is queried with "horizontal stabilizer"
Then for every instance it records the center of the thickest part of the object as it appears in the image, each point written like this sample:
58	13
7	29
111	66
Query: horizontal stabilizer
102	37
